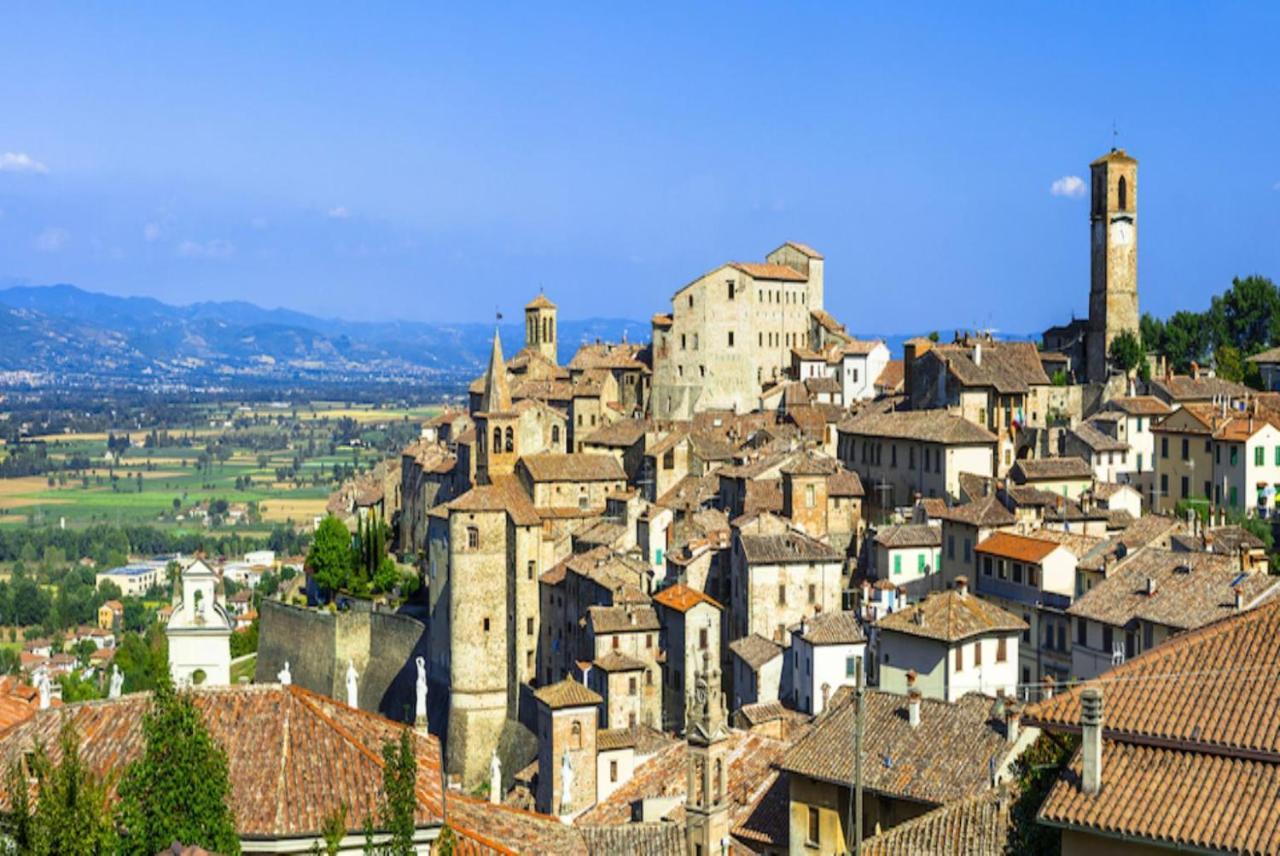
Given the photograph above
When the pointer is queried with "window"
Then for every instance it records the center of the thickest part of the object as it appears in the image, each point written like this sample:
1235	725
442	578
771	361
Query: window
1164	484
1259	456
1107	641
648	640
510	440
1082	632
809	496
575	735
951	546
986	566
702	639
1026	634
1184	486
967	550
730	284
1123	194
782	595
1017	572
1235	500
1278	456
1001	654
497	440
813	826
615	642
486	625
1235	455
850	666
897	565
959	658
528	626
813	593
473	538
977	653
632	686
1186	449
1164	447
669	459
530	569
920	563
613	771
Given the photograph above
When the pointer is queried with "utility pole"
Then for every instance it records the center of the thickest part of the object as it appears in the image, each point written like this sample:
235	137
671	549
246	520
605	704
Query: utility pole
855	837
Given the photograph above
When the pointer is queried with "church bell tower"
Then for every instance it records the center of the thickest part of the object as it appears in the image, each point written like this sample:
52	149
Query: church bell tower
1113	291
540	327
707	803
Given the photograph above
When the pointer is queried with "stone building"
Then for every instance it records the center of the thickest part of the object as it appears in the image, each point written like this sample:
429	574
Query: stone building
623	650
567	713
690	623
730	332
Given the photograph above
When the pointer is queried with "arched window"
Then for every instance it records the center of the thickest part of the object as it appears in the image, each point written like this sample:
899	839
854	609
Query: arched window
552	337
555	435
497	441
1124	194
576	735
510	440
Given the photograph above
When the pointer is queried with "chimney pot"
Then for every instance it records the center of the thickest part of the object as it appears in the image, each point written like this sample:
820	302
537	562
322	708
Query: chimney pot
1012	722
962	585
1046	692
1151	585
1091	742
912	677
913	708
1238	591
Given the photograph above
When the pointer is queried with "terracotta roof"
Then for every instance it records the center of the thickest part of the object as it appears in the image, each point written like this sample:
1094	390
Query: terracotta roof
844	483
504	494
1007	367
1183	388
566	693
766	821
1050	469
573	467
620	434
755	650
930	426
1020	548
1097	441
951	617
832	628
1141	405
892	376
1191	590
661	319
909	535
943	758
485	829
973	826
803	249
622	619
682	598
616	661
1190	728
782	273
1114	156
293	756
809	463
985	512
782	549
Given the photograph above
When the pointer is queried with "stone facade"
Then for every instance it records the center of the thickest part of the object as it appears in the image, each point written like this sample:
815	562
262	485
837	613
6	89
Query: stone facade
731	331
1113	291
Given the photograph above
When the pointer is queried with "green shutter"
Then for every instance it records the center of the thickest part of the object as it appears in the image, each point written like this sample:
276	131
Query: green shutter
897	564
920	563
1278	456
1258	453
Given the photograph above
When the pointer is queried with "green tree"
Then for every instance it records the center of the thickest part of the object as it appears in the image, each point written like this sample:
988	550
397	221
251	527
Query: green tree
1126	351
330	556
177	790
70	814
399	794
1228	363
1035	771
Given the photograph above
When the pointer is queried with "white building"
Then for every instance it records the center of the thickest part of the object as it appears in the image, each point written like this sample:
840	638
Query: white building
824	654
199	632
861	363
954	642
136	578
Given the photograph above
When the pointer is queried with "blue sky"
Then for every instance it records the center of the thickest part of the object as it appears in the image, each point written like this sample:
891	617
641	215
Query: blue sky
432	162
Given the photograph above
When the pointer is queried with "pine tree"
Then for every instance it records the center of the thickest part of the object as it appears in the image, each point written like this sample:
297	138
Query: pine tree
178	789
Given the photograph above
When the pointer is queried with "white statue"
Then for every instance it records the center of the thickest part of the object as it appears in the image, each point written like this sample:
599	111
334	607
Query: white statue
566	783
117	682
44	687
284	675
495	778
420	708
353	690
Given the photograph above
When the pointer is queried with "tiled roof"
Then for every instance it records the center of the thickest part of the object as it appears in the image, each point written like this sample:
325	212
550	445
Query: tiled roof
293	757
1051	468
485	829
986	512
750	756
639	839
973	826
810	463
540	302
622	619
755	650
950	617
766	821
1008	367
845	483
682	598
930	426
892	376
566	693
803	249
909	535
769	271
1097	441
1192	731
943	758
1184	388
504	494
1141	405
1020	548
833	628
620	434
616	661
1191	590
609	355
789	547
572	467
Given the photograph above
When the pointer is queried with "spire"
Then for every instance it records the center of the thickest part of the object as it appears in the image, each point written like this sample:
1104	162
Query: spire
497	398
706	719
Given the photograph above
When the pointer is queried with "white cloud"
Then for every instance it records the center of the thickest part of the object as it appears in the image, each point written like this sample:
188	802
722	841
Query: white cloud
339	212
215	249
1071	186
52	239
151	232
20	162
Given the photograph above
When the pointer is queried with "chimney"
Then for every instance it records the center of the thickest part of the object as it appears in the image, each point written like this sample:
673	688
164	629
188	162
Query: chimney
918	617
1091	743
1238	591
913	707
1151	586
977	353
912	676
962	585
1046	690
1195	370
1012	721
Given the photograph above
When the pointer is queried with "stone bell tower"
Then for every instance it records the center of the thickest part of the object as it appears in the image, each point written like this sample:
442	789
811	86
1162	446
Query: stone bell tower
1113	290
707	804
540	327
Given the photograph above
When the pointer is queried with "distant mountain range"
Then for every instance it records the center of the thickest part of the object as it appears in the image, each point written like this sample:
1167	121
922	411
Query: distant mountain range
61	335
64	335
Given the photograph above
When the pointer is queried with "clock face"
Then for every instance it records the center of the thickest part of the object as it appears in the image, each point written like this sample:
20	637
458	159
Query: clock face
1121	233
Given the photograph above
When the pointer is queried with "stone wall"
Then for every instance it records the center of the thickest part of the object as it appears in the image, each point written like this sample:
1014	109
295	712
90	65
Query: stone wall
318	644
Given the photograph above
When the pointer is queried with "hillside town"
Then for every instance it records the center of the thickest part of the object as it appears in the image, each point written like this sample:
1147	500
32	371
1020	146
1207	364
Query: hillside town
760	586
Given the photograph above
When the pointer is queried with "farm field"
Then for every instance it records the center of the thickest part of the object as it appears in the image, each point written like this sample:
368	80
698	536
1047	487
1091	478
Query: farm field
249	466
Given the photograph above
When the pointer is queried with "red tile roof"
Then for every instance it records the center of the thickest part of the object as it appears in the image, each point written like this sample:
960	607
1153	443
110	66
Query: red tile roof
682	598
